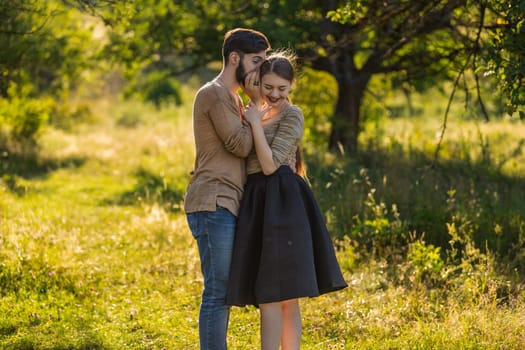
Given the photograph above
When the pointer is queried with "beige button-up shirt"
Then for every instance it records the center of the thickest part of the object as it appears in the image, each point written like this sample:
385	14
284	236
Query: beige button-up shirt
223	141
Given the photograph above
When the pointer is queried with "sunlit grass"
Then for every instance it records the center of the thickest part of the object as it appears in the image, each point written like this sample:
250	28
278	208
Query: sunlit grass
500	143
95	252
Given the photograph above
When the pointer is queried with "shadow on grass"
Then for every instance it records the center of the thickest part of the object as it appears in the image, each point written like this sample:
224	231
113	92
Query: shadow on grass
13	166
87	340
360	192
151	188
7	329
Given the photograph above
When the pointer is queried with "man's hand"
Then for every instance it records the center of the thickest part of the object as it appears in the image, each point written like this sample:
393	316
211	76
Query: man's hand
252	87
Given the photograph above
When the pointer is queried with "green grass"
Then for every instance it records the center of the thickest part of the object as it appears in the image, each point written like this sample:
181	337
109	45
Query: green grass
95	252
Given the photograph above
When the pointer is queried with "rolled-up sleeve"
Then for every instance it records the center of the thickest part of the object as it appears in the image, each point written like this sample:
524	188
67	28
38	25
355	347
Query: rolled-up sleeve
235	134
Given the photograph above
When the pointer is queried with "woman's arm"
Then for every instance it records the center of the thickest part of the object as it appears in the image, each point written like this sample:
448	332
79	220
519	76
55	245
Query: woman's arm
285	140
262	149
287	136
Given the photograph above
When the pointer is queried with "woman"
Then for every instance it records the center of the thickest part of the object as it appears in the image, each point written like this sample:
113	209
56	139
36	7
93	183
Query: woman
282	249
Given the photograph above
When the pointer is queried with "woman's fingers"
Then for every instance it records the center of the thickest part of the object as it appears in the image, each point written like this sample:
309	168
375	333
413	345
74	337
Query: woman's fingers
254	114
266	109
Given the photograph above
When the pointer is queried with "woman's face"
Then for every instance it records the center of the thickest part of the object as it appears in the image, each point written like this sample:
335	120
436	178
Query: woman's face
275	89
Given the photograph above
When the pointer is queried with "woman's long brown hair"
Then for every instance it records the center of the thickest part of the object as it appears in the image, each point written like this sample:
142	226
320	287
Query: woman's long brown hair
300	165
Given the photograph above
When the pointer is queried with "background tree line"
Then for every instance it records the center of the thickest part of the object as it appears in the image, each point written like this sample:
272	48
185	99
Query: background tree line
48	48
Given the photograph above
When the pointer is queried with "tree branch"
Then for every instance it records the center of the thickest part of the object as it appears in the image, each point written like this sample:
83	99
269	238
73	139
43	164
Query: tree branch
445	118
474	66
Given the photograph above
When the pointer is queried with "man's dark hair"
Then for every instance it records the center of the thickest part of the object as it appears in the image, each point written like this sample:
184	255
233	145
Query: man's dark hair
244	41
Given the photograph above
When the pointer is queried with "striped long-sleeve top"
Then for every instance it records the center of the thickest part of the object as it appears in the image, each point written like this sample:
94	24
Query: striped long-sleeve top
283	133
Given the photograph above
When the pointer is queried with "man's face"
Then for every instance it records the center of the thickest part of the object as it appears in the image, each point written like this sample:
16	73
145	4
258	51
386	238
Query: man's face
249	62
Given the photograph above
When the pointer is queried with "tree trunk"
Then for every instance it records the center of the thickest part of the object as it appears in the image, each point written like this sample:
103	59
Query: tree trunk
346	118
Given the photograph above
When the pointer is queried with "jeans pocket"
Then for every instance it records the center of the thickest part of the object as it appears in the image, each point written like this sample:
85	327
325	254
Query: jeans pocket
194	224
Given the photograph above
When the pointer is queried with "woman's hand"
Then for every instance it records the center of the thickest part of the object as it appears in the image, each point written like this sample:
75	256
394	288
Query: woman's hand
255	112
253	115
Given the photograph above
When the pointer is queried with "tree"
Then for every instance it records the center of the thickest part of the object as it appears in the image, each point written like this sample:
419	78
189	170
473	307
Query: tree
47	46
506	52
179	36
414	40
44	44
415	43
483	37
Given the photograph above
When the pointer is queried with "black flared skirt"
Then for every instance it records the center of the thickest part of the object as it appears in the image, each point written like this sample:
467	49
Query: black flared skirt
282	248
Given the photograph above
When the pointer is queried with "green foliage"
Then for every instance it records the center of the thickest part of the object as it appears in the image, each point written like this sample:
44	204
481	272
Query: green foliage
353	208
426	262
156	87
22	118
347	255
53	46
389	190
506	51
47	48
44	43
315	92
66	115
164	35
95	252
375	226
129	119
351	13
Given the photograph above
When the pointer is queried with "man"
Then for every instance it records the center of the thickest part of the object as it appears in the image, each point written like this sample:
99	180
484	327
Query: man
222	139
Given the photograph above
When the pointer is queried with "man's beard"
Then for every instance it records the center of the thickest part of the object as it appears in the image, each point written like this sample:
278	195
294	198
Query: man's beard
240	74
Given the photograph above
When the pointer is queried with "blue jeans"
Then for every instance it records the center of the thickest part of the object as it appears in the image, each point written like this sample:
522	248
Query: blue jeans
214	232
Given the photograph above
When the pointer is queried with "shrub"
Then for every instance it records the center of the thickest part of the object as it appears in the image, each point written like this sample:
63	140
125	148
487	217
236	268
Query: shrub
156	87
425	263
22	117
66	115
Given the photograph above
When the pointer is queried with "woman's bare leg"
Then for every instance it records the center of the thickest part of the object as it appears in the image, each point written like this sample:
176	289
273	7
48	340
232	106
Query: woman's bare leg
291	325
271	325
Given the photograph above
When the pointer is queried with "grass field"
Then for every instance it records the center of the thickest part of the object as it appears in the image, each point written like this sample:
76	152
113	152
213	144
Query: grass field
95	252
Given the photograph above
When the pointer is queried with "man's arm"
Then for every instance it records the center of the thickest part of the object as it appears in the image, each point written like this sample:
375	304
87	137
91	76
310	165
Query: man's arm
235	133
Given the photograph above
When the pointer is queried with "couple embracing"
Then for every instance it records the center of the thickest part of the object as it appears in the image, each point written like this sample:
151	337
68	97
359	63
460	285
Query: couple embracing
261	237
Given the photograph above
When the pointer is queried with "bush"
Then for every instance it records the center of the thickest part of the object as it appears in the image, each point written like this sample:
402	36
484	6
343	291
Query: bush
22	118
425	263
66	115
156	87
